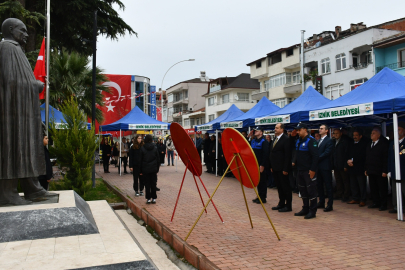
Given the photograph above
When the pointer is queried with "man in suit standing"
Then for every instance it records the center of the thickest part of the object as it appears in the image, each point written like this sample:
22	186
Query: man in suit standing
325	149
355	162
340	166
280	164
391	165
376	169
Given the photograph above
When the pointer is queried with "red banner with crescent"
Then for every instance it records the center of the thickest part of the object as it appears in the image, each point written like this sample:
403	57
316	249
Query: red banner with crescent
118	102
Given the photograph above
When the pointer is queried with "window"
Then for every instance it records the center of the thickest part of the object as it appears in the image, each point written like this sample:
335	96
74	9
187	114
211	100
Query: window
170	111
289	52
401	58
202	120
325	65
211	117
340	61
186	122
267	85
170	98
192	121
356	83
259	64
198	121
274	59
225	98
210	101
355	60
276	80
185	94
334	91
281	102
243	97
293	78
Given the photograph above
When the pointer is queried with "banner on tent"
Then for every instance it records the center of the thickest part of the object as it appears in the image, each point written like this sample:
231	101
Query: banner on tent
206	127
272	120
342	112
148	127
153	101
238	124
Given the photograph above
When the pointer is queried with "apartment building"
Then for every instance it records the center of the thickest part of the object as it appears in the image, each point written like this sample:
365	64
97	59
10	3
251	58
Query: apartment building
390	52
225	91
339	61
279	75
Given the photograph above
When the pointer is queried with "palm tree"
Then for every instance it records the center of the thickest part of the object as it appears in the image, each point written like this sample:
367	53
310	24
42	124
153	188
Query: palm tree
70	75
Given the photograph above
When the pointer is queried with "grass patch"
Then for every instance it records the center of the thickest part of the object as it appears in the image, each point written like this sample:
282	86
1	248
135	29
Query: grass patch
100	192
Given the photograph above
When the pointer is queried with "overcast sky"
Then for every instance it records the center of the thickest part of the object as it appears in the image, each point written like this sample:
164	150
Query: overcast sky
224	35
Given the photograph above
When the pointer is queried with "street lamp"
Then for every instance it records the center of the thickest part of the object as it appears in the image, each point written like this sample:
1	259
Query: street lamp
161	85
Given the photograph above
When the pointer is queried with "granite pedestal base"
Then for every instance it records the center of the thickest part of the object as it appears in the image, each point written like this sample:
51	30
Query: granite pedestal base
68	216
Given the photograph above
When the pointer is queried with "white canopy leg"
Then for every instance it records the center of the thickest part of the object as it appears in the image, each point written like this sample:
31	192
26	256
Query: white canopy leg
216	153
120	168
397	168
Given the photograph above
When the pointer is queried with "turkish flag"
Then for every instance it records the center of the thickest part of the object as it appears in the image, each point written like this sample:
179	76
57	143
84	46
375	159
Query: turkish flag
118	103
39	71
159	113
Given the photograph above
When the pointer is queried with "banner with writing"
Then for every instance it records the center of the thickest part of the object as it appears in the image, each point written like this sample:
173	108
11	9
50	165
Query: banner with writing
147	127
237	124
342	112
273	120
206	127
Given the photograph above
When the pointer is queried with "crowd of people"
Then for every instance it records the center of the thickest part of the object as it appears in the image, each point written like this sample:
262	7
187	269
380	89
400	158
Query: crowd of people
305	163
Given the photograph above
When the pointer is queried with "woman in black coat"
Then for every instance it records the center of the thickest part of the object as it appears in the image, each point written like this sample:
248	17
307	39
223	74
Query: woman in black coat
162	151
213	155
116	153
106	148
135	165
150	164
45	179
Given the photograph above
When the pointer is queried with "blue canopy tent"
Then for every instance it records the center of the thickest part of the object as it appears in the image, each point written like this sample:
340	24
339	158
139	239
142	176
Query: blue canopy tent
296	111
136	119
56	117
262	108
215	124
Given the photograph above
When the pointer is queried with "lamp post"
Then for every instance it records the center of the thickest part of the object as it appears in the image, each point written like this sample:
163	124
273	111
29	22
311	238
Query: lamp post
161	85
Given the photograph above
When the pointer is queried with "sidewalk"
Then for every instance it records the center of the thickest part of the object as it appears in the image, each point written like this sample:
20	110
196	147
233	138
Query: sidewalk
349	237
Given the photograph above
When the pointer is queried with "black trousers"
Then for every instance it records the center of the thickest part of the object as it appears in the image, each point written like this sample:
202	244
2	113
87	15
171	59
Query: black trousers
293	179
283	188
106	160
44	183
262	186
138	180
150	180
358	182
308	190
342	184
378	189
324	177
199	151
162	158
125	161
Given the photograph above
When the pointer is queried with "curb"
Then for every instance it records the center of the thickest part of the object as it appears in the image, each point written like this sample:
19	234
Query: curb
191	254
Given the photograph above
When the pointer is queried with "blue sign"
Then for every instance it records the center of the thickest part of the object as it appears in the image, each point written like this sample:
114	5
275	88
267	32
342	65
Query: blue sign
153	101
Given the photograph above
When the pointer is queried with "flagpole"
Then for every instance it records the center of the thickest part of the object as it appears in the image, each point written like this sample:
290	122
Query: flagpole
48	42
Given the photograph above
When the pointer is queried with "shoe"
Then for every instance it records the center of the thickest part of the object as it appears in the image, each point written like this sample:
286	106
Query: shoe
256	200
172	164
310	215
320	205
301	213
277	207
285	209
361	204
168	164
108	172
141	193
208	171
148	201
393	211
374	206
383	208
157	189
263	201
136	194
328	208
154	201
353	202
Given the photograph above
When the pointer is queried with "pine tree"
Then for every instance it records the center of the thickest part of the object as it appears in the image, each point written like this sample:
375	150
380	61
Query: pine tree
74	147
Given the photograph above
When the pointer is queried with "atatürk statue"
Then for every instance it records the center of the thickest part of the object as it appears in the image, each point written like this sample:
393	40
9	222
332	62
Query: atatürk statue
21	148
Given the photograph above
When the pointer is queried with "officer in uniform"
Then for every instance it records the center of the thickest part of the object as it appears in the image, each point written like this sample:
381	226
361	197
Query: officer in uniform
307	163
260	147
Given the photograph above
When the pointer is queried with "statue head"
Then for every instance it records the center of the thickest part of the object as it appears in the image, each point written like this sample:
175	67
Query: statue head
14	29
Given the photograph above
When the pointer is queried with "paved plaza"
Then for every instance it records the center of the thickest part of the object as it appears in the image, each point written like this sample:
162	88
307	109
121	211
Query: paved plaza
349	237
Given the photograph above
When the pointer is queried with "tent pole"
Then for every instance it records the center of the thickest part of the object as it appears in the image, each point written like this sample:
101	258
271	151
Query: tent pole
397	167
99	151
216	153
120	153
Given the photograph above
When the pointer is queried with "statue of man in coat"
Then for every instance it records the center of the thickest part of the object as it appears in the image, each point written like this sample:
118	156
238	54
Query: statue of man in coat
21	149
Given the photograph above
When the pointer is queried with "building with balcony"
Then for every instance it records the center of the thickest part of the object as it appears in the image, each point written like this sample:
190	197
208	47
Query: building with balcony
390	52
183	98
342	60
279	75
225	91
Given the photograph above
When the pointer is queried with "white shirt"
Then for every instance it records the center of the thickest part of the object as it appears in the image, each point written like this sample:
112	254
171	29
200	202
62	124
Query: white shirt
375	143
321	140
400	141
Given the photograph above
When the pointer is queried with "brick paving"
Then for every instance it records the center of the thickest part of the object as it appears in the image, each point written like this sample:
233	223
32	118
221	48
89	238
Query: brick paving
348	238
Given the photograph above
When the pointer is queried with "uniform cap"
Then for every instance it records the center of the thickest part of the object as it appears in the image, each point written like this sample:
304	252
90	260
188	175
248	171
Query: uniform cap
301	125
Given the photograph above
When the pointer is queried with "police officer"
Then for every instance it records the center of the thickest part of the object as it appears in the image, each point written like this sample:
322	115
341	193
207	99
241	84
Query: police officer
307	163
261	149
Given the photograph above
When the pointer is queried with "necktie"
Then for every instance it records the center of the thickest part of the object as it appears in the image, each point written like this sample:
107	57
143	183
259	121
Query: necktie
320	142
373	145
275	141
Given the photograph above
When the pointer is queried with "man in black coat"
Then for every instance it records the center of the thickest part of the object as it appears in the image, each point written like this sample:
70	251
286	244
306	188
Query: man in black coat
391	165
212	154
198	144
376	169
341	146
207	145
355	162
150	165
280	164
293	173
325	150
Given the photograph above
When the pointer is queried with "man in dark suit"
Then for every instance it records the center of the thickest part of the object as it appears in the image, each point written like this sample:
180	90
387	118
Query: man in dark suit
341	146
376	169
325	149
207	145
355	162
391	165
280	165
